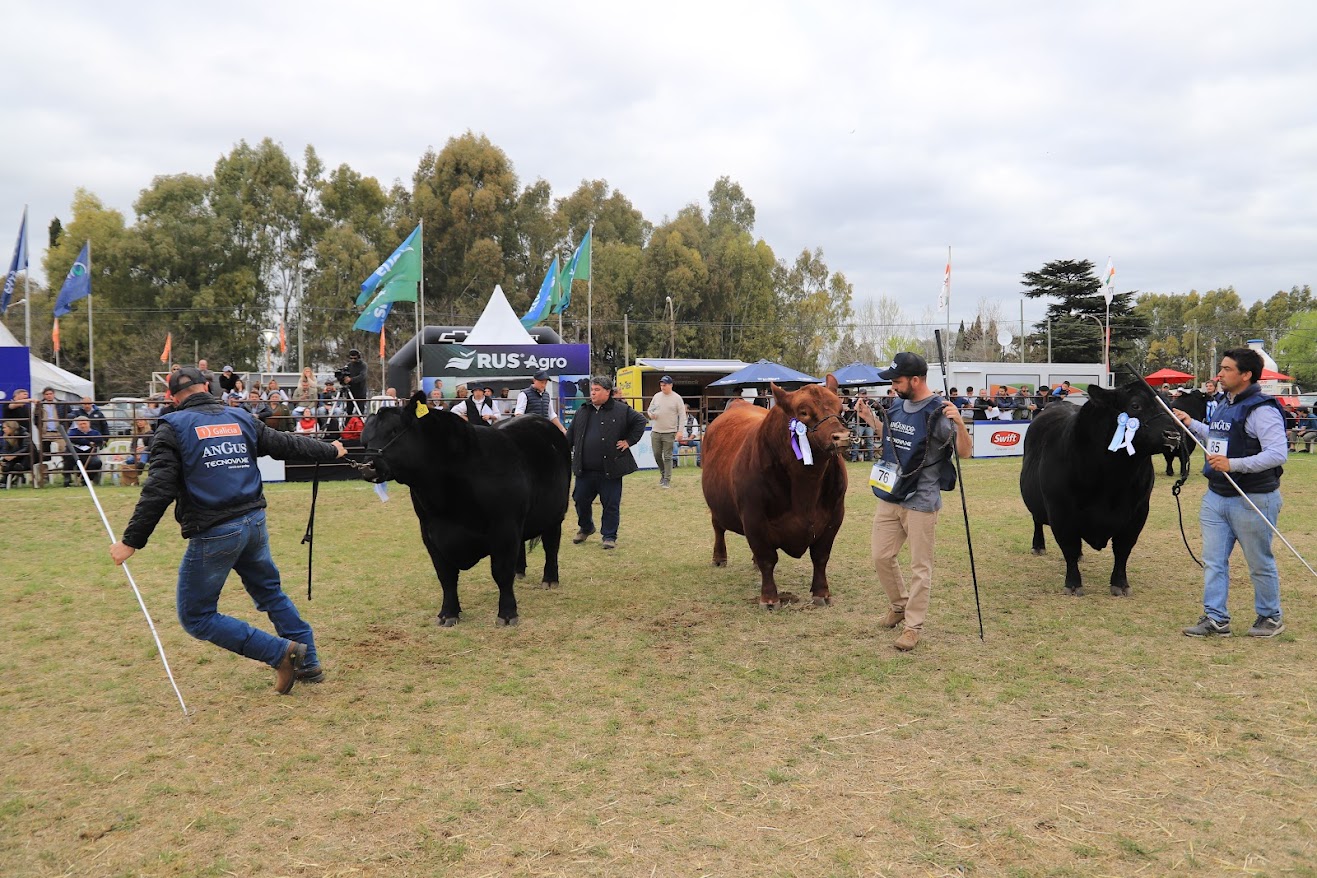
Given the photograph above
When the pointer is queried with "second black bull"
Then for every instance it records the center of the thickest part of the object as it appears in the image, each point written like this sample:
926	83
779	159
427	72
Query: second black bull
1088	476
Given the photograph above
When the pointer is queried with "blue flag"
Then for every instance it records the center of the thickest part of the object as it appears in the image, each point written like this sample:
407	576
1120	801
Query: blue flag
397	271
372	319
540	307
579	267
78	283
19	264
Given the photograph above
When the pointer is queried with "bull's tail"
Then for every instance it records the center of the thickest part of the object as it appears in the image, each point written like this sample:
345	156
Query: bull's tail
531	544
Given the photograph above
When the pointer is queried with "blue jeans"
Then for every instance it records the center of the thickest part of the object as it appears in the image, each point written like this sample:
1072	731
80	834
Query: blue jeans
1225	521
242	544
862	442
609	491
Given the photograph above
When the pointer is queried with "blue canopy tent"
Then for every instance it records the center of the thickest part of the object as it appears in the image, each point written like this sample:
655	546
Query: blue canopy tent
858	375
765	372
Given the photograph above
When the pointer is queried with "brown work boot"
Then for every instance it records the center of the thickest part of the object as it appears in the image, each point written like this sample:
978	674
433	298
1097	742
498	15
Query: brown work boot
285	676
892	618
907	641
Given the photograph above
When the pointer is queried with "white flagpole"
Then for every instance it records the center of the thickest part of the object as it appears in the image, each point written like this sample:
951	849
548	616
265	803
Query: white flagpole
420	305
27	290
91	335
948	322
589	303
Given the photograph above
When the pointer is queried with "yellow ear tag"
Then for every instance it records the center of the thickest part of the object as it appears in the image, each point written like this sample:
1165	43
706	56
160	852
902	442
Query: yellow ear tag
422	410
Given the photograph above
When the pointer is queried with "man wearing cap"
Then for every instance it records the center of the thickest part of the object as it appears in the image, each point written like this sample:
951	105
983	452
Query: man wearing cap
536	399
667	411
913	467
355	382
203	459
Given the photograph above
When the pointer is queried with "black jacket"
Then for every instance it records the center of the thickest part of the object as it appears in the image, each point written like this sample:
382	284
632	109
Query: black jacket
167	483
356	378
617	421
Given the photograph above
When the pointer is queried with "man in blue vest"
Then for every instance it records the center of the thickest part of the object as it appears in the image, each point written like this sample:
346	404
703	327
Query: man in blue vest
1245	436
203	458
914	467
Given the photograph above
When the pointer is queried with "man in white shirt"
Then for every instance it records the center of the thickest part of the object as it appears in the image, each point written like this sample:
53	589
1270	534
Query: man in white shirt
668	413
537	400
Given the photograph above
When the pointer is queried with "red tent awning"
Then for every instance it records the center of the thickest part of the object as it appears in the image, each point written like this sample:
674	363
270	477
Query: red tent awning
1272	375
1168	376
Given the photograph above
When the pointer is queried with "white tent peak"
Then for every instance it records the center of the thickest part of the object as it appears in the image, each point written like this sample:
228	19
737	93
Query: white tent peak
498	324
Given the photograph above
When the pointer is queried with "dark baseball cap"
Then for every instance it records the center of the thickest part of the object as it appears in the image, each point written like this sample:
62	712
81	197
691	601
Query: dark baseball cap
905	365
666	379
187	377
541	376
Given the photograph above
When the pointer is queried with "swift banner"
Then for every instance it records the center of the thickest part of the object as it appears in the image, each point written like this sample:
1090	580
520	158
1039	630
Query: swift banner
503	361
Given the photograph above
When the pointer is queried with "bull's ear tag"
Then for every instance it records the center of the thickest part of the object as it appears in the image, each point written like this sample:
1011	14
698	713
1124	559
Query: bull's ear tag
1126	427
422	410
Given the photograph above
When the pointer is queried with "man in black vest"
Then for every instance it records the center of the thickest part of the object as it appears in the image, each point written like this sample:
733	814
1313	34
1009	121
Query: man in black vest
354	382
1244	436
913	467
203	458
536	399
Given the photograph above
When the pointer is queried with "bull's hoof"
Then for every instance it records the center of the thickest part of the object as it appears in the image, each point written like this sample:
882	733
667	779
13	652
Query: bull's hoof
1120	591
1075	590
521	575
768	606
446	621
1039	551
719	563
822	601
547	584
500	622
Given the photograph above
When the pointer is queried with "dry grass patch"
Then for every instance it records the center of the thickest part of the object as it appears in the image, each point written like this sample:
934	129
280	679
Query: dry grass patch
646	718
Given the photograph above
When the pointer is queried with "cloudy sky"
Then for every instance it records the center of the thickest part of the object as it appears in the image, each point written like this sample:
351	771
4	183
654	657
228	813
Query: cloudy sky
1178	138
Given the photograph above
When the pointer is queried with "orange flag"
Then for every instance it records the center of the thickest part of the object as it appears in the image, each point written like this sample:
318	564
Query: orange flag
283	341
54	335
169	346
381	342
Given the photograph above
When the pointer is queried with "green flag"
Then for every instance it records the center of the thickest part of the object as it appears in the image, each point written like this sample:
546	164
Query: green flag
396	279
577	269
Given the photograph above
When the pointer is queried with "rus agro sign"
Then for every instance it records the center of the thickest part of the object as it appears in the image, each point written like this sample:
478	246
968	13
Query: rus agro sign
503	361
999	438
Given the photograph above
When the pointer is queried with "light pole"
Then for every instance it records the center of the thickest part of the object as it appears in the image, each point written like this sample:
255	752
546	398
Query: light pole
269	337
672	330
1105	329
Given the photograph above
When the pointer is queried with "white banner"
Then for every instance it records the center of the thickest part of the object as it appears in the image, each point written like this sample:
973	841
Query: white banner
999	438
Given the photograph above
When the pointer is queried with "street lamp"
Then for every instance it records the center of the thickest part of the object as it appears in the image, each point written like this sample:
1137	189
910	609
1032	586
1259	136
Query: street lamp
1105	329
269	337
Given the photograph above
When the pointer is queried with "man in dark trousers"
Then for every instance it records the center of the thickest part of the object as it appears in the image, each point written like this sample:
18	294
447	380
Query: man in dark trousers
203	458
601	435
1244	436
355	381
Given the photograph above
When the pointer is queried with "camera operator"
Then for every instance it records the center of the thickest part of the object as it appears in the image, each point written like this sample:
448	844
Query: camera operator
353	381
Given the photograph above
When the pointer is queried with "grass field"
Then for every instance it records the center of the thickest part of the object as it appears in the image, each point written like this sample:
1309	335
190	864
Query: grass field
647	718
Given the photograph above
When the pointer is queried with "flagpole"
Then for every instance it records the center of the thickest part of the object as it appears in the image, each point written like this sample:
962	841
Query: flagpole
420	305
91	335
589	302
27	289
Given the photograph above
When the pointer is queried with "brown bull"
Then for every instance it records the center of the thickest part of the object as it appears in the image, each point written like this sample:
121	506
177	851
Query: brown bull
757	483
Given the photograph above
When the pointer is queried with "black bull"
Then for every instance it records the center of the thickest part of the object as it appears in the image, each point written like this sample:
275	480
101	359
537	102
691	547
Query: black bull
478	492
1195	403
1085	493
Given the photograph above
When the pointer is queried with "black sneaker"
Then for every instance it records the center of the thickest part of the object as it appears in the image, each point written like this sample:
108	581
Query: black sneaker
311	674
1208	627
1266	627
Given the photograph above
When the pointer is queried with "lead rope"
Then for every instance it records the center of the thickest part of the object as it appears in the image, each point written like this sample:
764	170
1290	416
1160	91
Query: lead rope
1175	489
309	536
